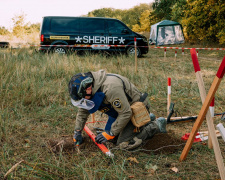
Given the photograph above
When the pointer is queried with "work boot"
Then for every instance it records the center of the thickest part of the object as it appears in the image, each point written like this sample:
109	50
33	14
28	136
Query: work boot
161	122
132	144
152	117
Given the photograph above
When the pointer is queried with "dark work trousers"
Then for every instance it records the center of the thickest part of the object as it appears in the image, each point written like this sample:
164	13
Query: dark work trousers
146	132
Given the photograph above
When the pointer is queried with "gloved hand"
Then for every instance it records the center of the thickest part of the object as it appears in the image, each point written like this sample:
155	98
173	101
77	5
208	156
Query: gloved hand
77	138
103	137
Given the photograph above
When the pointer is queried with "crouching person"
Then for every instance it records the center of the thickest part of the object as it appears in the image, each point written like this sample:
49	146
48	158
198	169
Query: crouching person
117	97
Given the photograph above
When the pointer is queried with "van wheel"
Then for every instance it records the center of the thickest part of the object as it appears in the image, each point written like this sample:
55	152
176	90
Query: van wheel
131	51
60	50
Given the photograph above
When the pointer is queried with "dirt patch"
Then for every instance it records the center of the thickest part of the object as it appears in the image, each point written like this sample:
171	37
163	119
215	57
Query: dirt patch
166	143
160	144
61	144
66	144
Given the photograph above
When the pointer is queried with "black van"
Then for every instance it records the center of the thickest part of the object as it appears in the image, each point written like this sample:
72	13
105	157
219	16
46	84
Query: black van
60	34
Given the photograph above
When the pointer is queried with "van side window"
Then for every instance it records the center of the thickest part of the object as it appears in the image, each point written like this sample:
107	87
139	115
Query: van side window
93	25
115	27
65	25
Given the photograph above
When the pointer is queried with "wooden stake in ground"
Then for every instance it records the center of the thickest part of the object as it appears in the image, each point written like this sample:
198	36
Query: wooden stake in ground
201	87
168	95
198	122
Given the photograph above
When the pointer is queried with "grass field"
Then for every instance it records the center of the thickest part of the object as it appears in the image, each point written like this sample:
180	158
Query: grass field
35	109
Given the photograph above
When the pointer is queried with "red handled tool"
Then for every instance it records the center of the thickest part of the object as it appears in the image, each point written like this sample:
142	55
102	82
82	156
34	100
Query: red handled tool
104	149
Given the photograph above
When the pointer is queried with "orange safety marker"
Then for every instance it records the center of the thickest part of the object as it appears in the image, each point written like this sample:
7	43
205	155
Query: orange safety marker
202	113
104	149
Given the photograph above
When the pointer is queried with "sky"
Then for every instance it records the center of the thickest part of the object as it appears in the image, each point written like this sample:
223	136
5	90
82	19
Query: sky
36	9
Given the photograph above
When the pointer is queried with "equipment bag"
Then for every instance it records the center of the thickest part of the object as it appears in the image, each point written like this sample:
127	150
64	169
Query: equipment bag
140	115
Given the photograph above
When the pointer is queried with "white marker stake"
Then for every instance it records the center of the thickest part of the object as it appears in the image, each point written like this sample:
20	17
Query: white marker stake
182	52
168	95
221	130
164	53
135	47
175	54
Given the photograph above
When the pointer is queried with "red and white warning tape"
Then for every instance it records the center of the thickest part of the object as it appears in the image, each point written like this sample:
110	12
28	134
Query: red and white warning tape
103	45
81	45
187	48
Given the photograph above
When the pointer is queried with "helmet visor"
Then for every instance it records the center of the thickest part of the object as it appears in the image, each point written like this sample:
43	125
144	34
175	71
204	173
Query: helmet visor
83	103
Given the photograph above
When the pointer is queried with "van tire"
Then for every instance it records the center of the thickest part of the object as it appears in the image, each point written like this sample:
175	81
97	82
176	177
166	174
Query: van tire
131	51
60	50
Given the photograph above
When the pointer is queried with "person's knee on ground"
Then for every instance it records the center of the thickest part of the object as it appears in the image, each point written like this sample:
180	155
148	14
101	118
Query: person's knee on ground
152	128
148	131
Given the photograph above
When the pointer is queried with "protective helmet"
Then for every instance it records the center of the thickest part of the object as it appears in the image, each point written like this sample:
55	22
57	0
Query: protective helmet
78	85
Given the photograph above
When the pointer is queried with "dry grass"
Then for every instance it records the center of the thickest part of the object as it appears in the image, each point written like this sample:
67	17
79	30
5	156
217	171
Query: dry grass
35	108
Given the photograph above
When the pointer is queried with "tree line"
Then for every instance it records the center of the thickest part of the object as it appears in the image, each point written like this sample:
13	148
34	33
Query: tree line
202	20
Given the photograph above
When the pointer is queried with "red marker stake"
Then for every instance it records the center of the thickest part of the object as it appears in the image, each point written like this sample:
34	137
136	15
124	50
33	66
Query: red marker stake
202	113
135	47
168	95
211	108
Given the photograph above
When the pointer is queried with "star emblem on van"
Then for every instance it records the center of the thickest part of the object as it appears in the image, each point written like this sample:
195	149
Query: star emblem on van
78	39
121	40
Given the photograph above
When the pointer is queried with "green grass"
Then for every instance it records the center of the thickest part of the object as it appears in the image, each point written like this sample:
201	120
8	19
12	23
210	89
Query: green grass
35	107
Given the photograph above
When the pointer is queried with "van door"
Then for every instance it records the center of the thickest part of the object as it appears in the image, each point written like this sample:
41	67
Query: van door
119	35
93	33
